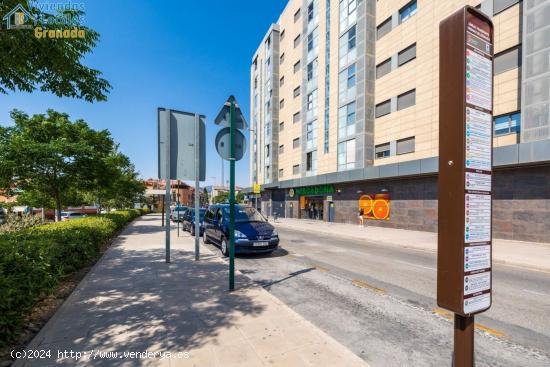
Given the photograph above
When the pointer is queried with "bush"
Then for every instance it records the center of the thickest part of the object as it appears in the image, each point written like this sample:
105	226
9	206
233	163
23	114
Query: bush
16	222
33	260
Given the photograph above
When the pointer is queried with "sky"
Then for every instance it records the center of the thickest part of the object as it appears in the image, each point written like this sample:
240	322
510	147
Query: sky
186	55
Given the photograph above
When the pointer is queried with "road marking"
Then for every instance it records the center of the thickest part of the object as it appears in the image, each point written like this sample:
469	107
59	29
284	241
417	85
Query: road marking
449	316
362	284
415	265
537	293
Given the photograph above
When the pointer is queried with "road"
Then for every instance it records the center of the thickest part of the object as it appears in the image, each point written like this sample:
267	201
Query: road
379	301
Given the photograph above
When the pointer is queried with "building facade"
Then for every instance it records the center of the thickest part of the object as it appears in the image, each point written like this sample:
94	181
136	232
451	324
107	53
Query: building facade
344	105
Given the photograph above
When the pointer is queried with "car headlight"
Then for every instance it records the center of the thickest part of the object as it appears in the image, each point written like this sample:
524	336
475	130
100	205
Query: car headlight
239	234
274	233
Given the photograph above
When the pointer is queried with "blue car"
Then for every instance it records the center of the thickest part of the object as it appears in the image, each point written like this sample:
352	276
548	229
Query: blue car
253	234
188	223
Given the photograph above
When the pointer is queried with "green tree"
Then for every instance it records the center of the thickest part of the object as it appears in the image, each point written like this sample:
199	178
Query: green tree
53	65
54	160
204	198
222	197
239	198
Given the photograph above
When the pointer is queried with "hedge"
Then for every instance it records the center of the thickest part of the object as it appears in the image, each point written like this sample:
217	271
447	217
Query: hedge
34	260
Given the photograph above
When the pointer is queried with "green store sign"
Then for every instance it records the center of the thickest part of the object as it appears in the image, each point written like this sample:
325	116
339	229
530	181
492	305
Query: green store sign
312	190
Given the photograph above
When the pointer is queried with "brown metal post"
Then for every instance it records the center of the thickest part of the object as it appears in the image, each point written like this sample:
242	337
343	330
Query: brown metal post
463	355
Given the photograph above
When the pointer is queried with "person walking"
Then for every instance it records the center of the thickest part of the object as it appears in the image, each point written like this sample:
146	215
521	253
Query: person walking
361	218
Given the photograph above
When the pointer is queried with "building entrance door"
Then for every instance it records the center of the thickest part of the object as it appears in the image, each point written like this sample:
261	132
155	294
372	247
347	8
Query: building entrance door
313	208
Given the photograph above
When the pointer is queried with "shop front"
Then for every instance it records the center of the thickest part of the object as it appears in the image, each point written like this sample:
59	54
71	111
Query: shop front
312	201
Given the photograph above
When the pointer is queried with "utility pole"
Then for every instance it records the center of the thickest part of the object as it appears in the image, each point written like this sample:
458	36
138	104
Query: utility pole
232	196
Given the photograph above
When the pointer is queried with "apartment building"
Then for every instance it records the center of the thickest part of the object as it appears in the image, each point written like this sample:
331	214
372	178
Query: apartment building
344	109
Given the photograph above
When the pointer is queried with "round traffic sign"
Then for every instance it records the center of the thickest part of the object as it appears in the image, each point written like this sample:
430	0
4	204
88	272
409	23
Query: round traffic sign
223	146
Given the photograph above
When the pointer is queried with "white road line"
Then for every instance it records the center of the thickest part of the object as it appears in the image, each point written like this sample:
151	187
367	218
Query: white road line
415	265
537	293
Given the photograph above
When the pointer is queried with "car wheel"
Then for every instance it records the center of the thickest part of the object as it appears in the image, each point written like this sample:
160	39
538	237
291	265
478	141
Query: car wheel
225	249
205	238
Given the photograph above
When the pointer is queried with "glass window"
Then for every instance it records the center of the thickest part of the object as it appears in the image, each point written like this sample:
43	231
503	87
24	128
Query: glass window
348	14
383	108
507	124
296	92
297	41
346	120
296	67
310	10
312	70
405	146
383	28
297	15
296	169
245	214
382	150
281	172
383	68
406	99
282	81
282	36
281	148
311	161
347	49
296	143
507	60
351	38
282	58
346	84
406	55
282	126
407	11
311	135
346	155
282	103
311	105
296	117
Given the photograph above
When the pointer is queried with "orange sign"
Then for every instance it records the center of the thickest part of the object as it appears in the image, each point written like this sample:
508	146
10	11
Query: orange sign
375	206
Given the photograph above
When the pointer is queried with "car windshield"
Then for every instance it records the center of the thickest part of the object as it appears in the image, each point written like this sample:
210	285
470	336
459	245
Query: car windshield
245	214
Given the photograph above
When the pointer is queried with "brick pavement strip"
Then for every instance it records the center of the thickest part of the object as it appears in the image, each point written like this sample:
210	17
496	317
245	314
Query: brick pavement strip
133	302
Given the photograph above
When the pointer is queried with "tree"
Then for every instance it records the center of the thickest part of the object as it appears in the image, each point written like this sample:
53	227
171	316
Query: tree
53	65
53	160
239	198
204	198
222	197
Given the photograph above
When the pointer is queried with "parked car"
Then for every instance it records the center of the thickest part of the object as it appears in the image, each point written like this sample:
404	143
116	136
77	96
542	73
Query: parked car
253	233
188	223
177	213
3	216
71	215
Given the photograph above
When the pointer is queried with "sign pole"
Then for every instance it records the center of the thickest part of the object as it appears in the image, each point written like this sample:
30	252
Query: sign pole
197	188
232	197
463	341
167	177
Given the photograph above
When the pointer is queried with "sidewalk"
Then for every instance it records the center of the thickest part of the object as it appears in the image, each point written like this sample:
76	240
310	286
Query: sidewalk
132	301
517	253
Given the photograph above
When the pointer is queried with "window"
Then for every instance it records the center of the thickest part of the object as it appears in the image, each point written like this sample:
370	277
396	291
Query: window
297	15
311	161
267	172
312	70
311	135
297	67
348	14
407	11
346	155
295	143
346	120
383	28
406	99
282	103
507	124
296	92
282	36
281	126
281	172
405	146
281	149
282	58
406	55
282	81
501	5
267	151
382	150
310	12
255	82
296	169
297	41
383	68
382	108
347	49
346	83
507	60
311	104
296	117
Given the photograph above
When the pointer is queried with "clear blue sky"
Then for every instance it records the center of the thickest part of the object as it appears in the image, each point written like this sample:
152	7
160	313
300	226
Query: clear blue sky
188	55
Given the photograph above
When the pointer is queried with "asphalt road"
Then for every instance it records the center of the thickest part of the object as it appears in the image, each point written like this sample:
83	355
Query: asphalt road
379	301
